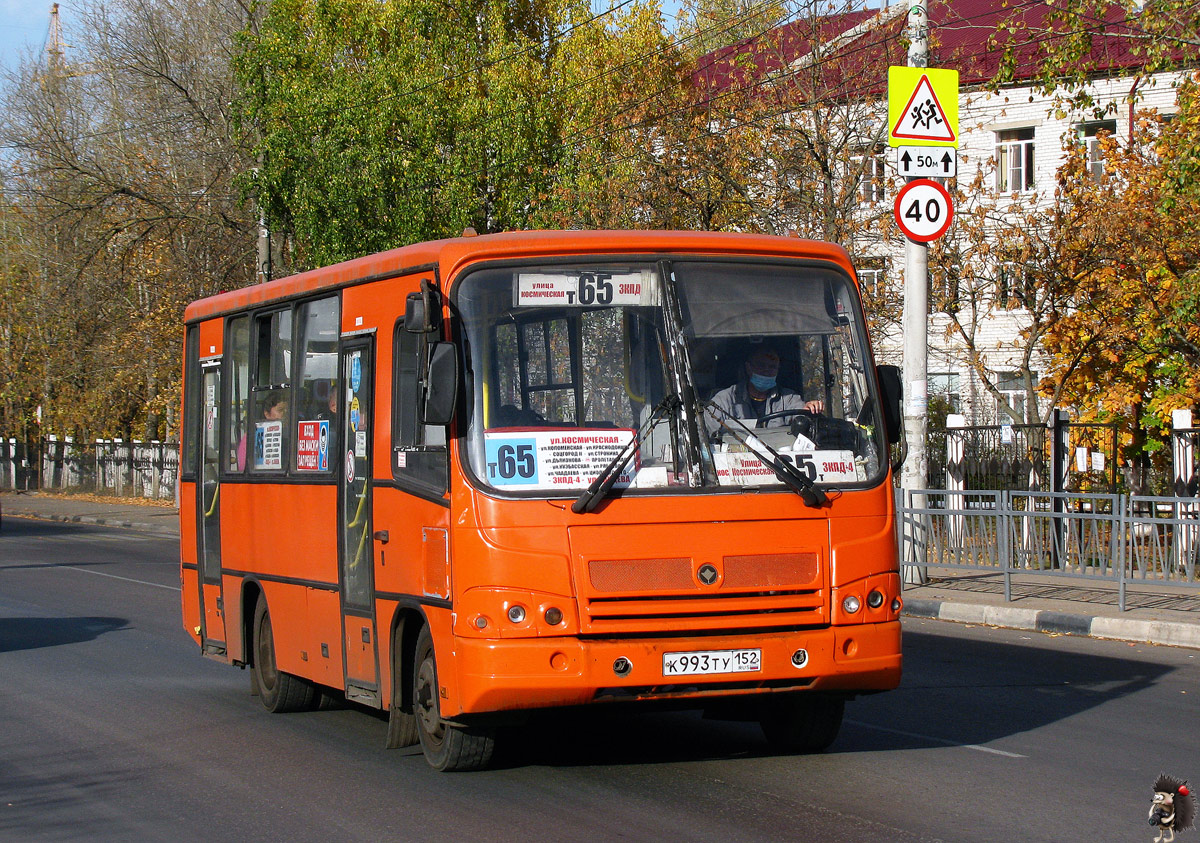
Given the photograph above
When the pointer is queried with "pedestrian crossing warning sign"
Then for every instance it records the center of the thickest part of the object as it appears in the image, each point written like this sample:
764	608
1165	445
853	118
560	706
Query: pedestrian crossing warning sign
922	106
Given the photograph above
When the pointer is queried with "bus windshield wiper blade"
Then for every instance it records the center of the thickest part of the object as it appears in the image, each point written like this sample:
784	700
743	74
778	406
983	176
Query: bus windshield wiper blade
599	488
786	472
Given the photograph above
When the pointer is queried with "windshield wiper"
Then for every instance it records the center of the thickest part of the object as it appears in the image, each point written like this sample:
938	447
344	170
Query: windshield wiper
786	472
602	485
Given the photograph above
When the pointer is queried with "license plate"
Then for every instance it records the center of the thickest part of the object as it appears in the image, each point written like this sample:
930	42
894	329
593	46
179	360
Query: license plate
712	661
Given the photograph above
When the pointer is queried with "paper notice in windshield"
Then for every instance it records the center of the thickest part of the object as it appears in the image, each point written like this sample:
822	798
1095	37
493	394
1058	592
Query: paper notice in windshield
745	469
586	289
554	459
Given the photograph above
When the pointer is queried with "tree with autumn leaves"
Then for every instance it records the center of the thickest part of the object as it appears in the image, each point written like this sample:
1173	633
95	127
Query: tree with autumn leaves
1128	349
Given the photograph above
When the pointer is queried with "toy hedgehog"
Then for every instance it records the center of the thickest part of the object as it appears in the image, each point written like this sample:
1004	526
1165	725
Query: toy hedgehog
1174	808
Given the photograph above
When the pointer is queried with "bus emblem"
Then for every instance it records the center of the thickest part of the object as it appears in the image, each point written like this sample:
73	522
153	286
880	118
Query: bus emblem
707	574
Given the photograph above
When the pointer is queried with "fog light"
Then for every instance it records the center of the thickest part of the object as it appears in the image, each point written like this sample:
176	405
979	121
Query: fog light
554	616
851	605
875	598
516	614
800	658
622	666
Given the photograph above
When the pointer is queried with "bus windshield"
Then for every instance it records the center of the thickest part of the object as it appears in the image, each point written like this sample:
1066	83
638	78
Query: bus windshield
706	373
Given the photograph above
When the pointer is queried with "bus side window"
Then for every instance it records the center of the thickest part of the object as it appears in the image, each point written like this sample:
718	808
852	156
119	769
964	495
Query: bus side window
238	378
266	442
192	424
419	455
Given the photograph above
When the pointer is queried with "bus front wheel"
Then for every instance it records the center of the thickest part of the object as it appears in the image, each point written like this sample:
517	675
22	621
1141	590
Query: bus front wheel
804	723
447	746
402	725
280	692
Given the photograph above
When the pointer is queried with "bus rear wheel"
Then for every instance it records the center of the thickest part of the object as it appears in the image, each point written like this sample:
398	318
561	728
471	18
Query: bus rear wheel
803	724
280	692
447	746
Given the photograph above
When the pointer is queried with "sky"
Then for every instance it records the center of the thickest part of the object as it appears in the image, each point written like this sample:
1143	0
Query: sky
23	26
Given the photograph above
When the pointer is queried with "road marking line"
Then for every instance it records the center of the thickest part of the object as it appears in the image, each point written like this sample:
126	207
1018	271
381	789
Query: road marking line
943	741
115	577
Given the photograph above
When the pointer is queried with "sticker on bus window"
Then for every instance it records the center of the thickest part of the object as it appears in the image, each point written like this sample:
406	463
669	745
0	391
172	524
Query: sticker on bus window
554	459
312	445
268	444
742	468
597	288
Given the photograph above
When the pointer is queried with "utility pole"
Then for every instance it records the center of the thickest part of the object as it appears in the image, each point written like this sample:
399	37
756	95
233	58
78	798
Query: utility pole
916	325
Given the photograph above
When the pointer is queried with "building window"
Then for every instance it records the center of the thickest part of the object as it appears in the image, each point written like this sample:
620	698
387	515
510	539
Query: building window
1014	160
1011	385
1092	134
943	386
872	275
1014	285
872	175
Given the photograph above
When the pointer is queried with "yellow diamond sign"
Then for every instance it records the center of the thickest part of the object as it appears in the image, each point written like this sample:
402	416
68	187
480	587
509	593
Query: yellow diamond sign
922	106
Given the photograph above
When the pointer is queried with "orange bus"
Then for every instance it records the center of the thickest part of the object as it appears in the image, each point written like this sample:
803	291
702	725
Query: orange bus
464	480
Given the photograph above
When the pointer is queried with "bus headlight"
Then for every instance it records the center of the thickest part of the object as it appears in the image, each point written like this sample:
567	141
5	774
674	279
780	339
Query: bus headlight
516	613
875	598
851	604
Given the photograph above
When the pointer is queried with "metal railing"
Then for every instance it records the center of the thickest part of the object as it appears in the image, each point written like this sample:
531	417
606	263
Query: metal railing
1121	539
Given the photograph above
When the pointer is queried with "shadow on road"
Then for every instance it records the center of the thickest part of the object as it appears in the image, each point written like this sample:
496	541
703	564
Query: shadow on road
957	691
35	633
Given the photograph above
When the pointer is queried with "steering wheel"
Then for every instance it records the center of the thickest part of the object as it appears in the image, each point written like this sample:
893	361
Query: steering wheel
802	420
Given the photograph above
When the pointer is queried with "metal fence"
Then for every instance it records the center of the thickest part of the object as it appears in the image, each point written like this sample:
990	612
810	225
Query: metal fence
1120	539
133	469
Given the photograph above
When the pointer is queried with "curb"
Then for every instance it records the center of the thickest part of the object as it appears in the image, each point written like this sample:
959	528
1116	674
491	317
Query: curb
101	522
1044	620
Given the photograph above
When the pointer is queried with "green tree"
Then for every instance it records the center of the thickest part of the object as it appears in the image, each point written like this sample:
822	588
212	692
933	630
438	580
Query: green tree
383	124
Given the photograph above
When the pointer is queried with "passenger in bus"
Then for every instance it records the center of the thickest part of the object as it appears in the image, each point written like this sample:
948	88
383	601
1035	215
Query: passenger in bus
274	408
757	394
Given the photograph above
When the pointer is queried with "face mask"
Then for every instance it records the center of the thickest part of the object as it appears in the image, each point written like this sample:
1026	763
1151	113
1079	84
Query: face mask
763	383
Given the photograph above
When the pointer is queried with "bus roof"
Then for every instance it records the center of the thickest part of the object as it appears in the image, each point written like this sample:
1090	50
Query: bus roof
448	256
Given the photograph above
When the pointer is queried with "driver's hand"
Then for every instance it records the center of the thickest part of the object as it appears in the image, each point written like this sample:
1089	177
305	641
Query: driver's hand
814	406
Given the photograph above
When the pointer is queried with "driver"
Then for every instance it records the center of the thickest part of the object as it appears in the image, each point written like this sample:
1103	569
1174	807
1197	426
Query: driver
757	395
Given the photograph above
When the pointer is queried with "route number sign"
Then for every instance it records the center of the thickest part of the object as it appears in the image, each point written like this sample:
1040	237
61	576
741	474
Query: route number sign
923	210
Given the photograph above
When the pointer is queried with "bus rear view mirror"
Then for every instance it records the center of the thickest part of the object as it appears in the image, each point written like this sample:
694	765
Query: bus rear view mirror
421	310
441	383
891	384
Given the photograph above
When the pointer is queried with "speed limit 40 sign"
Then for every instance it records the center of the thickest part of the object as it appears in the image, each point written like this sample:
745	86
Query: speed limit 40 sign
923	210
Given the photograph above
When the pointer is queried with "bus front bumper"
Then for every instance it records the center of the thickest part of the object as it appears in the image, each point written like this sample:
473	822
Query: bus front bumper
508	674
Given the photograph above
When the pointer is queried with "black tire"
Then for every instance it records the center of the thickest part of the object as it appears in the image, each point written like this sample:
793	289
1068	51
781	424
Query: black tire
402	725
803	724
448	747
280	692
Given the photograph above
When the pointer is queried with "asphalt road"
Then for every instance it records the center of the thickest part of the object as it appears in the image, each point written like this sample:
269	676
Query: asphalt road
114	727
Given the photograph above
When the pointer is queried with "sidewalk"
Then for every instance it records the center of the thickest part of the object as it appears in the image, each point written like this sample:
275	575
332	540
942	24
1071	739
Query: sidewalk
148	517
1155	615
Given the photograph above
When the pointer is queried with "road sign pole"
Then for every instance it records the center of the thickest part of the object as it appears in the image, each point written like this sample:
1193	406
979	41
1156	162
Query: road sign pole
916	342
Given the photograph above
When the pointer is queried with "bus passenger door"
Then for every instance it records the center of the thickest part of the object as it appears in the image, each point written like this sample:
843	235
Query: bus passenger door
212	632
356	550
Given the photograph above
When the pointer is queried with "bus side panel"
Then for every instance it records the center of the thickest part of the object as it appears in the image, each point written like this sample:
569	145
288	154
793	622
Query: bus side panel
408	564
286	536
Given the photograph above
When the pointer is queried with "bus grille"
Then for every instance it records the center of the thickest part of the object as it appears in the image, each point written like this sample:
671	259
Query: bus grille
681	593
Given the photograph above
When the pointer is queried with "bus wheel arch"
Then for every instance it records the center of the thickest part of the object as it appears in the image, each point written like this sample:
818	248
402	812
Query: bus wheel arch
447	746
402	721
279	691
